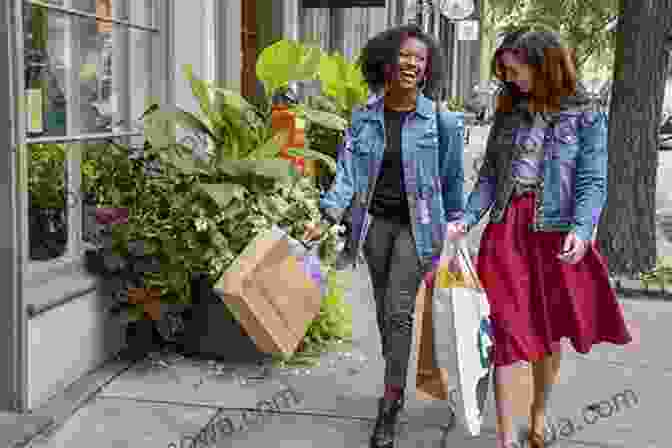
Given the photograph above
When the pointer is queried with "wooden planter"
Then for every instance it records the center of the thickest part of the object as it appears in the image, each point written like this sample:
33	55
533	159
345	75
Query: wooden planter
142	338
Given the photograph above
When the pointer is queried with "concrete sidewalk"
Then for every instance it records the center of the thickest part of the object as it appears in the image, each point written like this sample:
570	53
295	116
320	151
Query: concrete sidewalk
334	404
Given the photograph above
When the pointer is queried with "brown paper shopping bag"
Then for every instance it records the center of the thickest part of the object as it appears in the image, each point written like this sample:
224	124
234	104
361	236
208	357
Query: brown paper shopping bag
431	381
272	296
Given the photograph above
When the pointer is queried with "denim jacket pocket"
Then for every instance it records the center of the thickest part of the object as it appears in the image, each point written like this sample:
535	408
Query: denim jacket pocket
429	140
565	131
362	145
565	151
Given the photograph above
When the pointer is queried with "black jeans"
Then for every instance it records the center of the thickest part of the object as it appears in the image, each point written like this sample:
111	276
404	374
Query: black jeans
396	272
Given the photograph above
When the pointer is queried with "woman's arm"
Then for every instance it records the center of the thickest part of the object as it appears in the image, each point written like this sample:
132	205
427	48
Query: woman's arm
483	194
336	200
451	147
591	173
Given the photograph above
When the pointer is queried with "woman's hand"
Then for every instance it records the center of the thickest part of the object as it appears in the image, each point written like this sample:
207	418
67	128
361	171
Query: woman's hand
574	249
313	232
455	230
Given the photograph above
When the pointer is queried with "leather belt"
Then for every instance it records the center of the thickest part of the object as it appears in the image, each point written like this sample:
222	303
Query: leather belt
521	187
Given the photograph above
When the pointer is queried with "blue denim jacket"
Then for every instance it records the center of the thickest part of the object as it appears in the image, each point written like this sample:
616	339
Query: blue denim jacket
574	187
433	173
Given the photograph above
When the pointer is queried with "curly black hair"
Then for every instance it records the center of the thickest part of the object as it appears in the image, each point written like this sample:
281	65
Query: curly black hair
383	49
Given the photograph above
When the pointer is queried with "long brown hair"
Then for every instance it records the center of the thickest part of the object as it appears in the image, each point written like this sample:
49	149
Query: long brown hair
553	67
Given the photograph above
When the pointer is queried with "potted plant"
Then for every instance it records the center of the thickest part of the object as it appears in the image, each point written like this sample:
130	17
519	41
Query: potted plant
197	214
118	181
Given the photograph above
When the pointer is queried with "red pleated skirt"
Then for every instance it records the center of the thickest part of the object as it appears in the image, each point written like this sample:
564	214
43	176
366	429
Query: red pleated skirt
537	300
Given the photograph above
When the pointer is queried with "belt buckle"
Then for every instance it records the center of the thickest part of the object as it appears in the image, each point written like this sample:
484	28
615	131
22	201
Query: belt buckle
518	190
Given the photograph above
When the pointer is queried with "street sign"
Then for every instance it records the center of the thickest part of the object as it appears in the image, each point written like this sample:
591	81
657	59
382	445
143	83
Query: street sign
457	9
343	3
467	30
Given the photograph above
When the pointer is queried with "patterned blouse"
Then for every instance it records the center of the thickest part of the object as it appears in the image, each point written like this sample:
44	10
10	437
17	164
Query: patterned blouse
528	149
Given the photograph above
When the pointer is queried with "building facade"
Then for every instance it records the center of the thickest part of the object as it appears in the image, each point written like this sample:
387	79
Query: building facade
82	71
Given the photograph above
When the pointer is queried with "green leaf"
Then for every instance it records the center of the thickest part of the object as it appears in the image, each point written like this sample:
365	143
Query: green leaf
234	209
160	128
224	193
286	61
326	119
314	155
343	81
189	121
233	309
178	158
199	89
237	121
135	313
278	169
271	148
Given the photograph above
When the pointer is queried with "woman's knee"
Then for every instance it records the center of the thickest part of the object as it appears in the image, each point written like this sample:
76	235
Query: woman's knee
400	322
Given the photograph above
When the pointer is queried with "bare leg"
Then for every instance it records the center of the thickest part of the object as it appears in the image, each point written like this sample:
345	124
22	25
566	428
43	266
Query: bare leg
545	374
505	377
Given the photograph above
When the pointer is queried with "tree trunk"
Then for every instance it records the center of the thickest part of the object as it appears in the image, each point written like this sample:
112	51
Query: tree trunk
627	229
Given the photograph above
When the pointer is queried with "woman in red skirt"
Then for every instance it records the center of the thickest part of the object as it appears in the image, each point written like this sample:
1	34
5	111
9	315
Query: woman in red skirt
543	180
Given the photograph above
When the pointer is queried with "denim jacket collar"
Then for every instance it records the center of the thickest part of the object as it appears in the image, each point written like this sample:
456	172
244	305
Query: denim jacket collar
375	105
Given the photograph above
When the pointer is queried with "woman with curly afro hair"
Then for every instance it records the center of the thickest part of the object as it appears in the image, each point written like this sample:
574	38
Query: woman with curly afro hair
401	170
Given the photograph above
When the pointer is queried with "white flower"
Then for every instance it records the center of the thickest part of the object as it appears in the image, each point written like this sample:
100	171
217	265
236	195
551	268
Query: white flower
201	224
337	229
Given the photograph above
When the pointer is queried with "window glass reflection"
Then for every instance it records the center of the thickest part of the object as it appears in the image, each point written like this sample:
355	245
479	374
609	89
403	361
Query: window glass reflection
82	77
70	75
48	202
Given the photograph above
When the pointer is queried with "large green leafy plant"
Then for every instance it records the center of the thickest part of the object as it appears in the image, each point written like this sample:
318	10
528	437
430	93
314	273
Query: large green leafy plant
199	213
343	82
343	89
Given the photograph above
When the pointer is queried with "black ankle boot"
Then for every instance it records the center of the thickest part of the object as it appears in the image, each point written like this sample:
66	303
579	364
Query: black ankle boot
385	431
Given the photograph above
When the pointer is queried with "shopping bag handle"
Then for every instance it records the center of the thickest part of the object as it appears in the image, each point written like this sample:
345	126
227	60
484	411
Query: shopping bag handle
307	244
462	251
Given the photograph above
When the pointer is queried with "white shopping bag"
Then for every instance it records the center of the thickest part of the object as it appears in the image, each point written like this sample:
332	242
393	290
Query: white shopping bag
462	333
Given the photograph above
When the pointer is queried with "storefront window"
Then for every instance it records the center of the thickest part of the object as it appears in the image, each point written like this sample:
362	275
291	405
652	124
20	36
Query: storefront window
315	26
87	78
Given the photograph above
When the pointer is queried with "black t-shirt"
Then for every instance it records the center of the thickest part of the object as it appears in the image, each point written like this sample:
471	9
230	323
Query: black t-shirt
389	197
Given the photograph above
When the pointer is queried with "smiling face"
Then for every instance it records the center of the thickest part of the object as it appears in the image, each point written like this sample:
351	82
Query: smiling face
413	61
517	72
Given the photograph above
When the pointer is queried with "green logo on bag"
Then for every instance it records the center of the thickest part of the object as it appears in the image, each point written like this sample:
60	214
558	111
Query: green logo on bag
485	342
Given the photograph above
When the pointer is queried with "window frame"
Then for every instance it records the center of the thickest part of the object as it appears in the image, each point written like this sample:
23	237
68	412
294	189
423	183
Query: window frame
36	272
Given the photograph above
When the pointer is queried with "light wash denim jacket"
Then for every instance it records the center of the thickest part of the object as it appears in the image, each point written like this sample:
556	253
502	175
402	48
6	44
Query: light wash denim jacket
573	190
433	173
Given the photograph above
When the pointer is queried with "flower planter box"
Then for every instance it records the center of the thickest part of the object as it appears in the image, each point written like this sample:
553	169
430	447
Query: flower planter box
142	338
211	331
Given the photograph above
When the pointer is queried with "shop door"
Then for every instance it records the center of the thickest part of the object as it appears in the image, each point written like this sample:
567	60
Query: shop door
249	48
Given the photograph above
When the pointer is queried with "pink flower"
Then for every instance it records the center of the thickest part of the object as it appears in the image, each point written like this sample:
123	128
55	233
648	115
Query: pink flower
111	216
